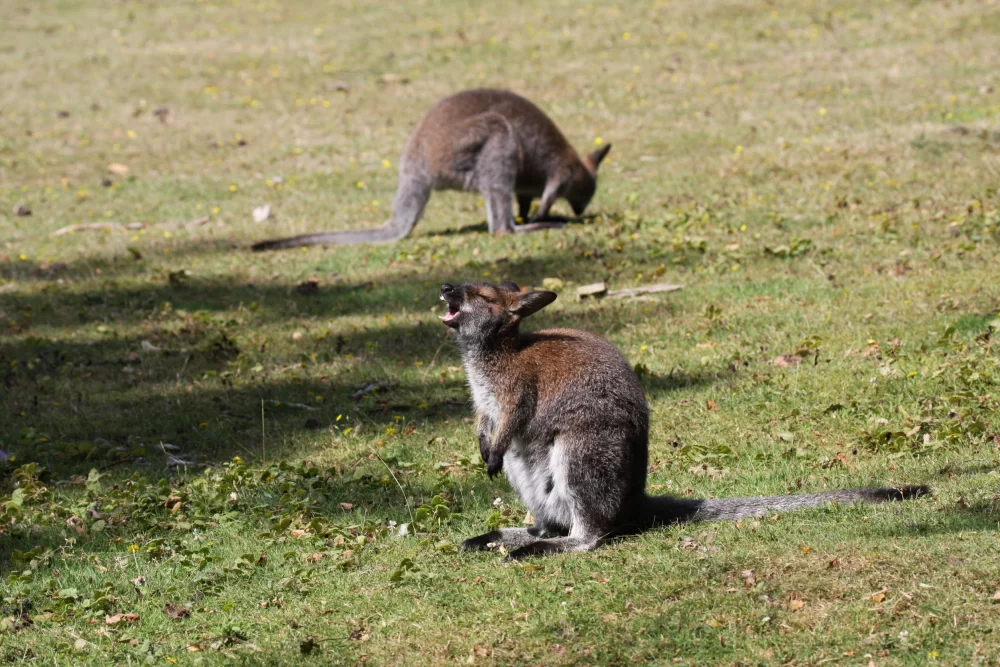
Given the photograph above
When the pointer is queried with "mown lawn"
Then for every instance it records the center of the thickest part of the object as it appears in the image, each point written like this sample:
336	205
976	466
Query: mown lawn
211	458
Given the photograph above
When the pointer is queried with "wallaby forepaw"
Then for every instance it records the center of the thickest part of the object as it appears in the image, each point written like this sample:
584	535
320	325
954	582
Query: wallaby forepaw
494	463
480	543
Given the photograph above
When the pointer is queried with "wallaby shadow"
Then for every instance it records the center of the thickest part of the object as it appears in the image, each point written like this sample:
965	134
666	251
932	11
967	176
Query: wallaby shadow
483	227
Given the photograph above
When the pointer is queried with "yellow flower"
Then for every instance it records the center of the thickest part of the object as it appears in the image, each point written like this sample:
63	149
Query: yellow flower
598	141
822	111
133	547
131	134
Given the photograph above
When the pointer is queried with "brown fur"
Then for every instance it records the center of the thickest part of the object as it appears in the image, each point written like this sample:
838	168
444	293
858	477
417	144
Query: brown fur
493	142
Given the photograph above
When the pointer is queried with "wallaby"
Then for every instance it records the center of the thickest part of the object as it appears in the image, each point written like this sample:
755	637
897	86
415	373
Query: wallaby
493	142
563	414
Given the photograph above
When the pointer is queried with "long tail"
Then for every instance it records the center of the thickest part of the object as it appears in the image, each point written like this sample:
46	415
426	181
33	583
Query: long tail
666	509
387	233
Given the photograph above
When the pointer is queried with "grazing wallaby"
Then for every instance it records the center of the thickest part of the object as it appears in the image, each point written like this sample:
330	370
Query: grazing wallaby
564	415
488	141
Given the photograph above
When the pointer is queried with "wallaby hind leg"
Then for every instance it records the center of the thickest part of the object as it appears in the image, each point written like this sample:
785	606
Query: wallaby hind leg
555	545
511	538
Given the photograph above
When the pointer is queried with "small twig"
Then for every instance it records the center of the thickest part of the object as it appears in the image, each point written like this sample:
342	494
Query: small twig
95	226
405	499
301	406
649	289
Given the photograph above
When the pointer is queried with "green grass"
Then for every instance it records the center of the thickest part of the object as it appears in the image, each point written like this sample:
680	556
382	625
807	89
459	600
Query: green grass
822	177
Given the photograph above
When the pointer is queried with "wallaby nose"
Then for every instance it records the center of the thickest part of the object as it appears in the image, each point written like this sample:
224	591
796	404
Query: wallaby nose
447	289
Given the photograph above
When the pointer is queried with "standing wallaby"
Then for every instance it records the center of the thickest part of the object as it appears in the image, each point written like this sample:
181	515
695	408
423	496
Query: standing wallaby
564	415
488	141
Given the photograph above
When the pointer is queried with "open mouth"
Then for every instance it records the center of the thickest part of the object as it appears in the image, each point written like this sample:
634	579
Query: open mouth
451	317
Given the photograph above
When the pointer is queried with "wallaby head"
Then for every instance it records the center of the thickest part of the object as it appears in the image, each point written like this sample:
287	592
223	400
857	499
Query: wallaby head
480	311
581	188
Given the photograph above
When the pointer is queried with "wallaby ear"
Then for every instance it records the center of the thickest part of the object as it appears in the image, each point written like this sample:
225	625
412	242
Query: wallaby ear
531	302
510	286
593	161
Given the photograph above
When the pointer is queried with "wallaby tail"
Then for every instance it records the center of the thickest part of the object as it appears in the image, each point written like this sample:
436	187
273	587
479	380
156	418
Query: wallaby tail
665	509
385	234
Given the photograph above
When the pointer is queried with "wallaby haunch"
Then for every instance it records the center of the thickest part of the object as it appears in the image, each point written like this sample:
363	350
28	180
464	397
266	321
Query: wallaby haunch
488	141
563	414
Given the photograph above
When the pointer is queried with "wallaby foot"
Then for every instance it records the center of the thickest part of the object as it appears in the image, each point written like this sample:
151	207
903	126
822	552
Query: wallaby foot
510	538
554	545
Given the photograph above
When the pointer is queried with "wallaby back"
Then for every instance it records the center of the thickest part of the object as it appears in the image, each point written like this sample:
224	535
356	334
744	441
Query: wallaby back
494	142
563	414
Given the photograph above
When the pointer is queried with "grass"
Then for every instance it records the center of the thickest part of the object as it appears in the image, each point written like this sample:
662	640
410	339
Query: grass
190	436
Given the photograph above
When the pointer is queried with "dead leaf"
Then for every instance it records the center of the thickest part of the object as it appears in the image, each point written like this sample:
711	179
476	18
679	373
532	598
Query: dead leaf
296	532
346	506
749	578
120	618
786	360
835	563
118	168
711	405
175	612
878	596
705	469
389	77
262	213
805	548
795	605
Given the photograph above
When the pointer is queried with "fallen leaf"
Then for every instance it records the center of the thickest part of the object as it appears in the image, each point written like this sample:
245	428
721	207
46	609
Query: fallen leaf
295	532
174	612
346	506
879	596
711	405
795	605
705	469
119	618
118	168
786	360
749	578
805	548
389	77
262	213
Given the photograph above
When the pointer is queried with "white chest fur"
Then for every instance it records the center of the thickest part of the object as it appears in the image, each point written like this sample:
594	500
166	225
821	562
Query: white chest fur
482	393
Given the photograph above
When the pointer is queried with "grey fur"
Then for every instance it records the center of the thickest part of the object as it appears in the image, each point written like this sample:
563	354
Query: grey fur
492	142
565	416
